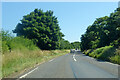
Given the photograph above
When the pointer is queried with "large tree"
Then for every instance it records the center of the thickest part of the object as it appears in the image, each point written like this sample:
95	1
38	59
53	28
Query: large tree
104	31
42	27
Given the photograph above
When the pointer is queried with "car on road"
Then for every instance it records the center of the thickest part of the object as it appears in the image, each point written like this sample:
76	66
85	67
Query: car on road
72	50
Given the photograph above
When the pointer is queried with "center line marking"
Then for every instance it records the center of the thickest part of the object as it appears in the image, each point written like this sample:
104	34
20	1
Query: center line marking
74	57
28	73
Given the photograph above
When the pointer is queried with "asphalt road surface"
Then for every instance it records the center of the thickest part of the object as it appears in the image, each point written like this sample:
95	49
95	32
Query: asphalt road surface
72	65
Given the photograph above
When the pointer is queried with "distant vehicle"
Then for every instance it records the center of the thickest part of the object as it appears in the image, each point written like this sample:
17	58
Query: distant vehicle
72	51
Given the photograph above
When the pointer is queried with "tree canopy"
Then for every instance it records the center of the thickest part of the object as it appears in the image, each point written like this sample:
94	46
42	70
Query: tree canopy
75	45
42	27
104	31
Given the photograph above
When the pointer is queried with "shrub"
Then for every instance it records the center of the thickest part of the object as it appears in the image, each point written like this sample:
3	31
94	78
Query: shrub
96	52
116	43
103	53
5	47
10	43
88	52
115	59
108	51
6	37
21	43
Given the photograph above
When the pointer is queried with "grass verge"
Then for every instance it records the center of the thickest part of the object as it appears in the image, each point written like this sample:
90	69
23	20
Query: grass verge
16	61
107	53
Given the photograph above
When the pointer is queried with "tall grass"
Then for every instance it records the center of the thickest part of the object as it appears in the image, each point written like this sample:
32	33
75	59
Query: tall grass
107	53
17	61
19	53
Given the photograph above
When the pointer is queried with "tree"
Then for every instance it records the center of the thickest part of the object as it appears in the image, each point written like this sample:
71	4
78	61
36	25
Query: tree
65	44
42	27
75	45
113	26
103	32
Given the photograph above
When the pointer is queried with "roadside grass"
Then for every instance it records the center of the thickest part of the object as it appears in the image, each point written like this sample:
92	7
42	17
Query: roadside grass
107	53
16	61
19	54
116	58
87	52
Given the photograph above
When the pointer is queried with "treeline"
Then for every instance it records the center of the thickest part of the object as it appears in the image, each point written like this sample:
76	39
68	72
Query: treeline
102	39
11	43
43	29
65	44
37	30
104	31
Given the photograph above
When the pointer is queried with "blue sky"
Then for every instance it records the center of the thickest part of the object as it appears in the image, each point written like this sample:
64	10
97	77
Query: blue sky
73	17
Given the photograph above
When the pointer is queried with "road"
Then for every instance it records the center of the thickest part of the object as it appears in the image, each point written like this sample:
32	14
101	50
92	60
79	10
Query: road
72	66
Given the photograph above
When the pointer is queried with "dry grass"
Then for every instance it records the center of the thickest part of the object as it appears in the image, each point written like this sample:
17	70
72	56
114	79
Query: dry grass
17	61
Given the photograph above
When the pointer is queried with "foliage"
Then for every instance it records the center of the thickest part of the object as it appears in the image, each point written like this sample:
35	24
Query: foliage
21	43
6	35
42	27
17	61
103	53
75	45
65	44
10	43
87	52
107	53
116	43
103	32
96	52
6	38
116	58
21	53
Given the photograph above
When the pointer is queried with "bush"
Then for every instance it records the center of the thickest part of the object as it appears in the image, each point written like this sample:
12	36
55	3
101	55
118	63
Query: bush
6	37
88	51
103	53
5	47
96	52
10	43
116	43
21	43
106	53
115	59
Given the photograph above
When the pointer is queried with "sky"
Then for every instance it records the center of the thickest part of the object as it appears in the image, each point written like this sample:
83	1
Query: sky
73	17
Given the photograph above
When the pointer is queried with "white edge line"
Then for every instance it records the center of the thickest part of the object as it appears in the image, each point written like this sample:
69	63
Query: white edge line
51	60
28	73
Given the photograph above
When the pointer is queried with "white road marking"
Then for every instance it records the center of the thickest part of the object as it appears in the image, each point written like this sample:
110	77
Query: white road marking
74	57
51	60
28	73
